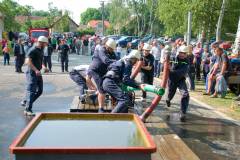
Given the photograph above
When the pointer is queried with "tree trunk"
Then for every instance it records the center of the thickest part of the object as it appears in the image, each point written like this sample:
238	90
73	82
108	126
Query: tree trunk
135	8
220	19
151	27
150	17
189	31
138	29
237	40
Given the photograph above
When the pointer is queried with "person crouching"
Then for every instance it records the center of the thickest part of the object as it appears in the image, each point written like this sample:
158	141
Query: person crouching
119	73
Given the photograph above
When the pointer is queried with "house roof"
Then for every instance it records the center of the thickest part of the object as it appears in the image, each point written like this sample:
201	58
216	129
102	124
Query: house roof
57	19
23	19
94	23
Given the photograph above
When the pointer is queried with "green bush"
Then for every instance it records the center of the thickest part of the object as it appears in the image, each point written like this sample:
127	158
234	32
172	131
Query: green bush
88	31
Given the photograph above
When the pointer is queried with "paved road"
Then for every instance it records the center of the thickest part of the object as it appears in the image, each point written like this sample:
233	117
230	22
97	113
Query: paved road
208	134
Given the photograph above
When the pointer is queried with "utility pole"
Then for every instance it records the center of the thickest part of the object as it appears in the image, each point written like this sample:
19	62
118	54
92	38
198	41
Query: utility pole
103	27
189	28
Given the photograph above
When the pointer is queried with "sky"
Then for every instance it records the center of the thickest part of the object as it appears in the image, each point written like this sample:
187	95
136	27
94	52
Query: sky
76	7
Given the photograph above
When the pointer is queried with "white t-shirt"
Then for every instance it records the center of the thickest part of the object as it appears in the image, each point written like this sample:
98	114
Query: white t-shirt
156	52
45	51
162	59
81	67
119	49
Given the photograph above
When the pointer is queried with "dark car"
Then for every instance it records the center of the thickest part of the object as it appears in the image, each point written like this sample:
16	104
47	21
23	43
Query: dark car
123	41
135	43
233	79
115	37
147	38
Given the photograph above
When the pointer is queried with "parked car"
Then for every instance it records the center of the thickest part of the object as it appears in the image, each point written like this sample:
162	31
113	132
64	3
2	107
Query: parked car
56	34
146	38
123	41
135	43
233	79
161	39
115	37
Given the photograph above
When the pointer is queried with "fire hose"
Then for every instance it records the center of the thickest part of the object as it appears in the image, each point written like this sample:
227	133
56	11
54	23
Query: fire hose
157	90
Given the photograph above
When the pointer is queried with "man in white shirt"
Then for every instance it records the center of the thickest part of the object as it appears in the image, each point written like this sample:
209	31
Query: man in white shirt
156	52
162	58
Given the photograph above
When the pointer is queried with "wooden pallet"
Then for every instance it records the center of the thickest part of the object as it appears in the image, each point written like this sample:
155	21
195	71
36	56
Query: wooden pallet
77	106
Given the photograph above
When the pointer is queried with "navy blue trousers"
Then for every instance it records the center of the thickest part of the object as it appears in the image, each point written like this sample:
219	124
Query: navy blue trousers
48	62
19	61
182	86
157	68
79	80
64	63
113	89
6	58
34	88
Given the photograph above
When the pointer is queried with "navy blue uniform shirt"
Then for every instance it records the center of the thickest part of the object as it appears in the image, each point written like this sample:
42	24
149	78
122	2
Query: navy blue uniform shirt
179	70
100	61
123	72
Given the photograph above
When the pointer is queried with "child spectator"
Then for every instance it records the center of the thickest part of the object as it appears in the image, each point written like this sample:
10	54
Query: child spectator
6	54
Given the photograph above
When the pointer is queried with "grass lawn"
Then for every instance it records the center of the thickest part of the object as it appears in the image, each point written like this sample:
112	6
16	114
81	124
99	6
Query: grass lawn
225	105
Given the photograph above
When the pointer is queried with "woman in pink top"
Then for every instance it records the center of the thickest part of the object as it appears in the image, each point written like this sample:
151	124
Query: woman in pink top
197	51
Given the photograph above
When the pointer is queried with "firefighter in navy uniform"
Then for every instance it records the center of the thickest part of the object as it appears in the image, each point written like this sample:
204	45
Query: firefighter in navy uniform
119	74
177	77
64	49
78	75
98	68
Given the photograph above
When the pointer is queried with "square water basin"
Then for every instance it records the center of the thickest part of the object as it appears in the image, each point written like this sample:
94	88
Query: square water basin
78	136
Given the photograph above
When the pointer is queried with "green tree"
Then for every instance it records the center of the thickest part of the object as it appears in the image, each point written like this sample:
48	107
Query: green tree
205	16
53	10
139	17
40	23
106	11
110	30
119	14
90	14
230	20
88	31
9	10
40	13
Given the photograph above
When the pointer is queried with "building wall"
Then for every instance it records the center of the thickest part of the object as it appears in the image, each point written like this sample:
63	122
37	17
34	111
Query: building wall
58	27
73	27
